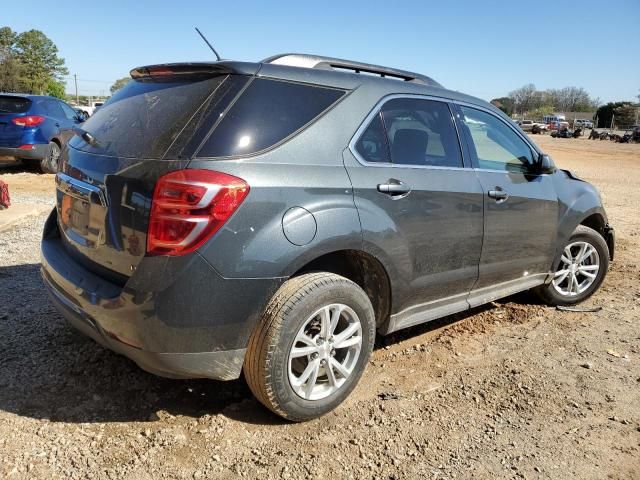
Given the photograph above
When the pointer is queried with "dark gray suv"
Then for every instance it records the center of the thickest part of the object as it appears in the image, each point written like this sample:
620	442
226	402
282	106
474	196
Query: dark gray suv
272	217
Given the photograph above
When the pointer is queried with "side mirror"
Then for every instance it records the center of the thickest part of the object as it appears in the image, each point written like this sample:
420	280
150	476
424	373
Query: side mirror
545	164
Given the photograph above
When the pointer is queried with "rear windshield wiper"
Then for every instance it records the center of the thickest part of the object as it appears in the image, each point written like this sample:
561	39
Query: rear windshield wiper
86	136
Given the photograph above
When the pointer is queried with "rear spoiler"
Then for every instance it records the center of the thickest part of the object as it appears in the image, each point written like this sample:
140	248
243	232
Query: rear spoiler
198	69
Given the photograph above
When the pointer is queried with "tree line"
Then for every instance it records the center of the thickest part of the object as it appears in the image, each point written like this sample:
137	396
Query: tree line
528	99
29	63
534	103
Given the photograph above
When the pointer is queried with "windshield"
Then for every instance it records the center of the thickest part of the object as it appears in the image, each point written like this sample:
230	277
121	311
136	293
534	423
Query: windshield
144	118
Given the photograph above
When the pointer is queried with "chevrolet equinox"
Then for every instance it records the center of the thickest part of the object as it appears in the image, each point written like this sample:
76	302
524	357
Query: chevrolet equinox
272	218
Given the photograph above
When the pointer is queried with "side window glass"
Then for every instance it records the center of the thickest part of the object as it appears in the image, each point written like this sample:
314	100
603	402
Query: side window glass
421	132
68	111
497	146
267	112
372	145
54	109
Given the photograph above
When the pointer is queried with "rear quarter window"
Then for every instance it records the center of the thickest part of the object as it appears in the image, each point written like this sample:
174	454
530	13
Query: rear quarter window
267	112
9	104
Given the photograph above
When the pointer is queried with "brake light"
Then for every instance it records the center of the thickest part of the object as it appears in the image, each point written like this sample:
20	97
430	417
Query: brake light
189	206
27	146
28	121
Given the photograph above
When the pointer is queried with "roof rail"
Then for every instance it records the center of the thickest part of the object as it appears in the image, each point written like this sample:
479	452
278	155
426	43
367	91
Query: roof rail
328	63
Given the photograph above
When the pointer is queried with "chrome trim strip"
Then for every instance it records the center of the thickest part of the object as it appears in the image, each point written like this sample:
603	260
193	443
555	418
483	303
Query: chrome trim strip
79	189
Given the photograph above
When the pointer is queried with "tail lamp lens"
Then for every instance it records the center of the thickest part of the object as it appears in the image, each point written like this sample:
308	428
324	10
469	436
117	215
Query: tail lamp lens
189	206
28	121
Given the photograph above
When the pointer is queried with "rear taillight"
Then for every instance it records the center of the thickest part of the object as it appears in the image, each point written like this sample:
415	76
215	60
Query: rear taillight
189	206
28	121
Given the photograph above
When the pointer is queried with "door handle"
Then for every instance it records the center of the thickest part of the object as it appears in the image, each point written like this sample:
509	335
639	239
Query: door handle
57	124
394	188
498	194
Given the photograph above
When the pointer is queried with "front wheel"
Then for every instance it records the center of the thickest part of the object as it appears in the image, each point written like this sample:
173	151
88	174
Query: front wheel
583	265
311	346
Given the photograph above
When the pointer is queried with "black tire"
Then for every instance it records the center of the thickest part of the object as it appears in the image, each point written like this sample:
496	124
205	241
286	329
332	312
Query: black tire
266	365
49	164
550	295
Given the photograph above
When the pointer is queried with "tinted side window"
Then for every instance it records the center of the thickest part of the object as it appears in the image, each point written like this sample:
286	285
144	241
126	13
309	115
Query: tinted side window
54	109
267	112
497	147
372	145
68	111
421	132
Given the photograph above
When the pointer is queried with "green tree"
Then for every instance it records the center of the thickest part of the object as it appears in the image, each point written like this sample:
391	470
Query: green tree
118	84
625	115
505	104
39	58
11	70
7	37
605	113
540	112
55	89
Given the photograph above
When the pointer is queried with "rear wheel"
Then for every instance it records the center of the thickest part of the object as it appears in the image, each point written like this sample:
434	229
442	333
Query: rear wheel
49	164
311	347
583	265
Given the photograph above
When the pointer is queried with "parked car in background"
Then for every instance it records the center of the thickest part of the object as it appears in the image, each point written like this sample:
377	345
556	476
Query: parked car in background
539	128
35	128
583	123
531	126
273	217
81	113
91	108
558	125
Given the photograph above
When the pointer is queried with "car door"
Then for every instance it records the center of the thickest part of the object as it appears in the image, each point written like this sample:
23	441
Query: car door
420	206
57	119
520	206
69	121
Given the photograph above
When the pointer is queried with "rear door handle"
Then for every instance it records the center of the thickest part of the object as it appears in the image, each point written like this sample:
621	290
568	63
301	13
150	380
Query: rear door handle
499	195
394	188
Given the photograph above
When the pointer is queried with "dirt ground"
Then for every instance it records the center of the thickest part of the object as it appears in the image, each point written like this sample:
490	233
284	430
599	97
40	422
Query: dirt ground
510	390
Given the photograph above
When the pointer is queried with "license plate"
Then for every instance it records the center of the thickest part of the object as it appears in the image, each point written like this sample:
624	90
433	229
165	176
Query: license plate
7	157
74	214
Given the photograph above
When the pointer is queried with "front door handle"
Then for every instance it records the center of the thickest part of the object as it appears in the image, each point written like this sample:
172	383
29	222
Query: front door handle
498	194
394	188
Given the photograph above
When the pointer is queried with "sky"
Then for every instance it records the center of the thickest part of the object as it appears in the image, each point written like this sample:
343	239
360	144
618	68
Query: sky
483	48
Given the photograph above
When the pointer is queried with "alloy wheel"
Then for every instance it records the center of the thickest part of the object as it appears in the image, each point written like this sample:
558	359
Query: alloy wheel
578	269
325	351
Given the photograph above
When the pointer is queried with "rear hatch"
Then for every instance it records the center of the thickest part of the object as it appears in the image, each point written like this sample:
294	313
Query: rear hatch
107	177
12	106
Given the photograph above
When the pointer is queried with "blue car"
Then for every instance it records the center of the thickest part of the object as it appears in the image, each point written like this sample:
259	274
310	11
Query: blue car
35	128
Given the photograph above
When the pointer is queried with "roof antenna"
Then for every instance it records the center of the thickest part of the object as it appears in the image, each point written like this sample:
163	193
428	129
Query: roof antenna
207	42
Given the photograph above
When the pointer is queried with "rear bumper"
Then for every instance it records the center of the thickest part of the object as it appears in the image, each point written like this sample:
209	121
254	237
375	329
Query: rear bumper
38	152
192	323
221	365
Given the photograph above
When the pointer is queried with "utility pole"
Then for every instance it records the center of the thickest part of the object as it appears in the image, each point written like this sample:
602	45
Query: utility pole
75	79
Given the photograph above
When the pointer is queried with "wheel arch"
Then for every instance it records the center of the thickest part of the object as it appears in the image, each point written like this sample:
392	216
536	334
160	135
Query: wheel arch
360	267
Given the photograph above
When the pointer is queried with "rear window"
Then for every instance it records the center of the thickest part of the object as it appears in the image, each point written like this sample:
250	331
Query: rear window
267	112
10	104
144	118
